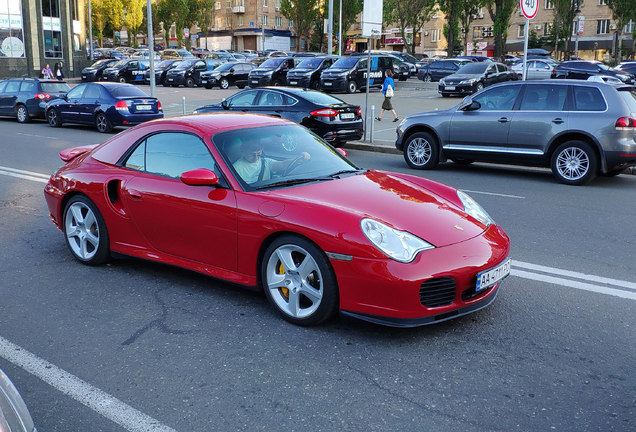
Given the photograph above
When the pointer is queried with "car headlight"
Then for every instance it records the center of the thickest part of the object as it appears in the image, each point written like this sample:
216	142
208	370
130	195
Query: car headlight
469	81
268	73
442	82
475	210
624	77
401	246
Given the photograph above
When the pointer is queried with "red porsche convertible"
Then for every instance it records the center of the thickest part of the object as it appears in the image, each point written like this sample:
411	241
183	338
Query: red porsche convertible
264	202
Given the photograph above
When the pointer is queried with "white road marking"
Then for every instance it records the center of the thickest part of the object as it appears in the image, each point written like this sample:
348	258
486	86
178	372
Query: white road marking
94	398
26	175
36	136
494	194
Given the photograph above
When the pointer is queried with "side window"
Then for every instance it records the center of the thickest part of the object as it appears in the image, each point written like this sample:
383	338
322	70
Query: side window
501	68
93	92
544	98
588	99
271	98
171	154
27	86
13	86
498	98
133	65
2	86
362	64
491	69
386	63
289	101
244	99
77	92
200	65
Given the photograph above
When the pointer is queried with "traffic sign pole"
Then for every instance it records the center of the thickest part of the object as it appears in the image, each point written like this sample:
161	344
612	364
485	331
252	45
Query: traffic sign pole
525	50
529	9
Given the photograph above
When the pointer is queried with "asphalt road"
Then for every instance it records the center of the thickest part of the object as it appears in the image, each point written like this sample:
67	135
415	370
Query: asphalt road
139	346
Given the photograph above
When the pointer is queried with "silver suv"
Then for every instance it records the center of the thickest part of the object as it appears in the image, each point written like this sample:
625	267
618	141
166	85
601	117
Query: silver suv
578	128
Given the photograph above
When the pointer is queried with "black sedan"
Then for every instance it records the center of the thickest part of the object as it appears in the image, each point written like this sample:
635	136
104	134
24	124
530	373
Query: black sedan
226	75
105	105
94	72
330	118
581	69
473	77
161	69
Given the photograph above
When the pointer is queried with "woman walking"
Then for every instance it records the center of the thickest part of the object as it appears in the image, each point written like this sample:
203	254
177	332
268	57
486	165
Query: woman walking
387	91
57	71
46	72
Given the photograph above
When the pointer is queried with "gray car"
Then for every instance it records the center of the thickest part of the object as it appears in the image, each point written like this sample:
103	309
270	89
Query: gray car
578	128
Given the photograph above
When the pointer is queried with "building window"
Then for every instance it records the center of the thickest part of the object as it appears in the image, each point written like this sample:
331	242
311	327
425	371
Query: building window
521	31
436	35
277	3
629	28
11	32
52	28
279	21
602	26
228	4
478	33
549	4
264	19
217	5
219	23
265	3
228	21
240	20
547	28
601	2
291	23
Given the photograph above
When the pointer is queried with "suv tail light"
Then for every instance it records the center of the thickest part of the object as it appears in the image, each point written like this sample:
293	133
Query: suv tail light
159	106
121	106
359	112
43	96
325	112
625	123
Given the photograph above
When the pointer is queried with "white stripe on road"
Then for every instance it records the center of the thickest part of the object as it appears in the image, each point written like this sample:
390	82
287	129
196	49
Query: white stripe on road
16	173
97	400
37	136
494	194
31	173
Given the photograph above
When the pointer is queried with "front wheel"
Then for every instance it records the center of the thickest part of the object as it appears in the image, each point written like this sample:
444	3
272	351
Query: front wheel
315	85
102	123
85	231
53	118
224	83
22	114
574	163
189	82
421	151
427	78
299	281
121	79
276	83
352	87
480	87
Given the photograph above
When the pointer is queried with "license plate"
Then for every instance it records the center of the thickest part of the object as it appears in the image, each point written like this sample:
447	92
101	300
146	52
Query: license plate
143	107
449	88
347	115
327	84
204	81
293	82
254	81
170	79
491	277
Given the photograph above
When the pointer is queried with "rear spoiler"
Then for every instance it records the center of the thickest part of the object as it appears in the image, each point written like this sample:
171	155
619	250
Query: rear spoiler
70	154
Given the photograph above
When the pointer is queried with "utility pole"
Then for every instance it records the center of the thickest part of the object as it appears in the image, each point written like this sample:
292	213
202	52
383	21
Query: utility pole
330	30
151	50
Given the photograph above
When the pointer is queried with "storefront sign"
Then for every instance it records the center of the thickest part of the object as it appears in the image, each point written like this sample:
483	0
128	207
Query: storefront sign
394	41
11	30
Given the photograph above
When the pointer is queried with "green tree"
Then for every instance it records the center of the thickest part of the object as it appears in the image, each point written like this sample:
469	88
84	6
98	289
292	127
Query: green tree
173	12
133	18
99	18
622	12
466	17
303	13
115	14
452	9
500	12
411	14
350	11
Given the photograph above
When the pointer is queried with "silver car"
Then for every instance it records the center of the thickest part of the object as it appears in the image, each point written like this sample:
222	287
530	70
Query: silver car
536	69
578	128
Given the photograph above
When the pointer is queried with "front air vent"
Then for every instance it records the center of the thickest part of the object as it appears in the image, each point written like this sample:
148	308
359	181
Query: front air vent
437	292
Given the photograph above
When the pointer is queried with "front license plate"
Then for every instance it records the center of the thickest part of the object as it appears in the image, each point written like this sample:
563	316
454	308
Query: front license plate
491	277
170	79
293	82
449	88
204	81
144	107
347	115
254	81
327	84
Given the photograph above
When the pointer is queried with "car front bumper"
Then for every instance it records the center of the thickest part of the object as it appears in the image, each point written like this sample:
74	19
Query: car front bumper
174	79
259	81
457	88
338	84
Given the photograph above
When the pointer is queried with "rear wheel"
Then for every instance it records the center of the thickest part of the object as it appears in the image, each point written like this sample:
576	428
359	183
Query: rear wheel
85	231
574	163
427	78
315	85
299	281
224	83
276	83
352	87
22	114
53	117
102	123
421	151
189	82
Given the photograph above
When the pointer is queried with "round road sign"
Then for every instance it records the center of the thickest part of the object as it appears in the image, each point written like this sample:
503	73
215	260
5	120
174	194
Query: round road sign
529	8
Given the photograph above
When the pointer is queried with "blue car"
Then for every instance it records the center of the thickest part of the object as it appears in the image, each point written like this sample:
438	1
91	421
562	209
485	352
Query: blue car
105	105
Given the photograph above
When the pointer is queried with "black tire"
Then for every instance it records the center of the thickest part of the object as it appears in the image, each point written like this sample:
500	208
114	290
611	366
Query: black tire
427	78
208	86
121	79
421	151
53	117
352	87
224	83
189	82
241	87
289	291
100	78
85	231
574	163
22	114
462	161
480	87
314	85
103	124
445	94
276	83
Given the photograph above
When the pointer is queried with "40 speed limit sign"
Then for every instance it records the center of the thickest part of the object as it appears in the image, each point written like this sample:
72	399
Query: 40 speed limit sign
529	8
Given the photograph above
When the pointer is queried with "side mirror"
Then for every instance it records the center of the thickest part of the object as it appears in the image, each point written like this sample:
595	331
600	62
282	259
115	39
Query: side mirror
232	70
225	104
468	104
199	177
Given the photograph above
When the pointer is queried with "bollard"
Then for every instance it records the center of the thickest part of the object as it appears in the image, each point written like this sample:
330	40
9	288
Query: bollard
184	108
372	123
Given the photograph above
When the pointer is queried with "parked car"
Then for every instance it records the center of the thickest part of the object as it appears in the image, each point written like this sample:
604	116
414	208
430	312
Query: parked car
411	62
306	74
578	128
535	69
188	72
26	98
475	58
126	71
332	119
316	233
94	72
439	69
627	67
350	73
401	69
105	105
419	64
227	74
161	69
170	54
272	71
584	69
14	414
473	77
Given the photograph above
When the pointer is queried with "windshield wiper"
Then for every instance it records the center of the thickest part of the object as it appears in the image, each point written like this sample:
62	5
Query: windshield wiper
292	182
339	173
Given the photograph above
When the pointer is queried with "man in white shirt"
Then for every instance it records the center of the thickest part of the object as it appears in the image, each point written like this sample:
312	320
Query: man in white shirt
253	167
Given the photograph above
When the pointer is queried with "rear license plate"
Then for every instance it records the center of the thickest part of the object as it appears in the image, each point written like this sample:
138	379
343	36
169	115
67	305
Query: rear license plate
449	88
143	107
293	82
491	277
327	84
254	81
347	115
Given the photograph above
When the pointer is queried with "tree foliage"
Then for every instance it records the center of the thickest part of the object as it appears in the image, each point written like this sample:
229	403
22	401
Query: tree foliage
466	17
500	12
622	12
452	9
303	13
133	18
408	14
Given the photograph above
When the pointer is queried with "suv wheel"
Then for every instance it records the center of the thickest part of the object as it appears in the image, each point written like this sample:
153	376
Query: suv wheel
276	83
421	151
352	86
315	85
189	82
427	78
22	114
574	163
224	83
121	79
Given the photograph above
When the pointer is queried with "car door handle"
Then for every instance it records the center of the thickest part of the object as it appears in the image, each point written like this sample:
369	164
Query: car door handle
503	120
557	121
278	111
134	193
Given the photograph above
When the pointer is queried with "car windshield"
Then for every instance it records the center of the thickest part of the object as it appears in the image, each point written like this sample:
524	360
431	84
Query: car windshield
128	90
241	148
225	66
409	58
321	98
603	67
473	68
185	54
164	64
186	64
55	87
100	63
345	63
310	63
119	64
272	63
629	96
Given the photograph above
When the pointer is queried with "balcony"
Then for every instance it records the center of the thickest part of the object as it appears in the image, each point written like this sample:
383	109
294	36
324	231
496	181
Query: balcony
238	9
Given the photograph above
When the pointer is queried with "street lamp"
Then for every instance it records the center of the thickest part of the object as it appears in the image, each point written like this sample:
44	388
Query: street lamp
578	26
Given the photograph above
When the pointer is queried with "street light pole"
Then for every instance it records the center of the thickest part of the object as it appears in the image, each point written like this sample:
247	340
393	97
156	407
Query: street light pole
578	27
151	50
90	31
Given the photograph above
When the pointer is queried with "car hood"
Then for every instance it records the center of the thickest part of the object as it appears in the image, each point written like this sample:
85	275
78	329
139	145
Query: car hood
393	200
461	77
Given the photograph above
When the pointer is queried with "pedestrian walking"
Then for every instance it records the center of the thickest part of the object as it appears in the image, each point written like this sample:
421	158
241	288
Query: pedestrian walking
46	72
387	91
57	71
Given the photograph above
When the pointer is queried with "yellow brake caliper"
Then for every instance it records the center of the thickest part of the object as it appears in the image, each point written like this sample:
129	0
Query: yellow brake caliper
283	290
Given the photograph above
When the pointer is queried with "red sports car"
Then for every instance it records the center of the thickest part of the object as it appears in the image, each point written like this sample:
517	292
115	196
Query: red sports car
265	203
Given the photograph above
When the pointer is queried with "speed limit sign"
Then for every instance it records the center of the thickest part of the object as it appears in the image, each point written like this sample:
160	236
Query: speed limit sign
529	8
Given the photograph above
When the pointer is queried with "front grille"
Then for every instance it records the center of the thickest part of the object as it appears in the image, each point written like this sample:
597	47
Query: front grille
437	292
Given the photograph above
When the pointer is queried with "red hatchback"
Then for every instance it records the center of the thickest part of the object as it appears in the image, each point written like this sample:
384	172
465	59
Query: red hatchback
265	203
